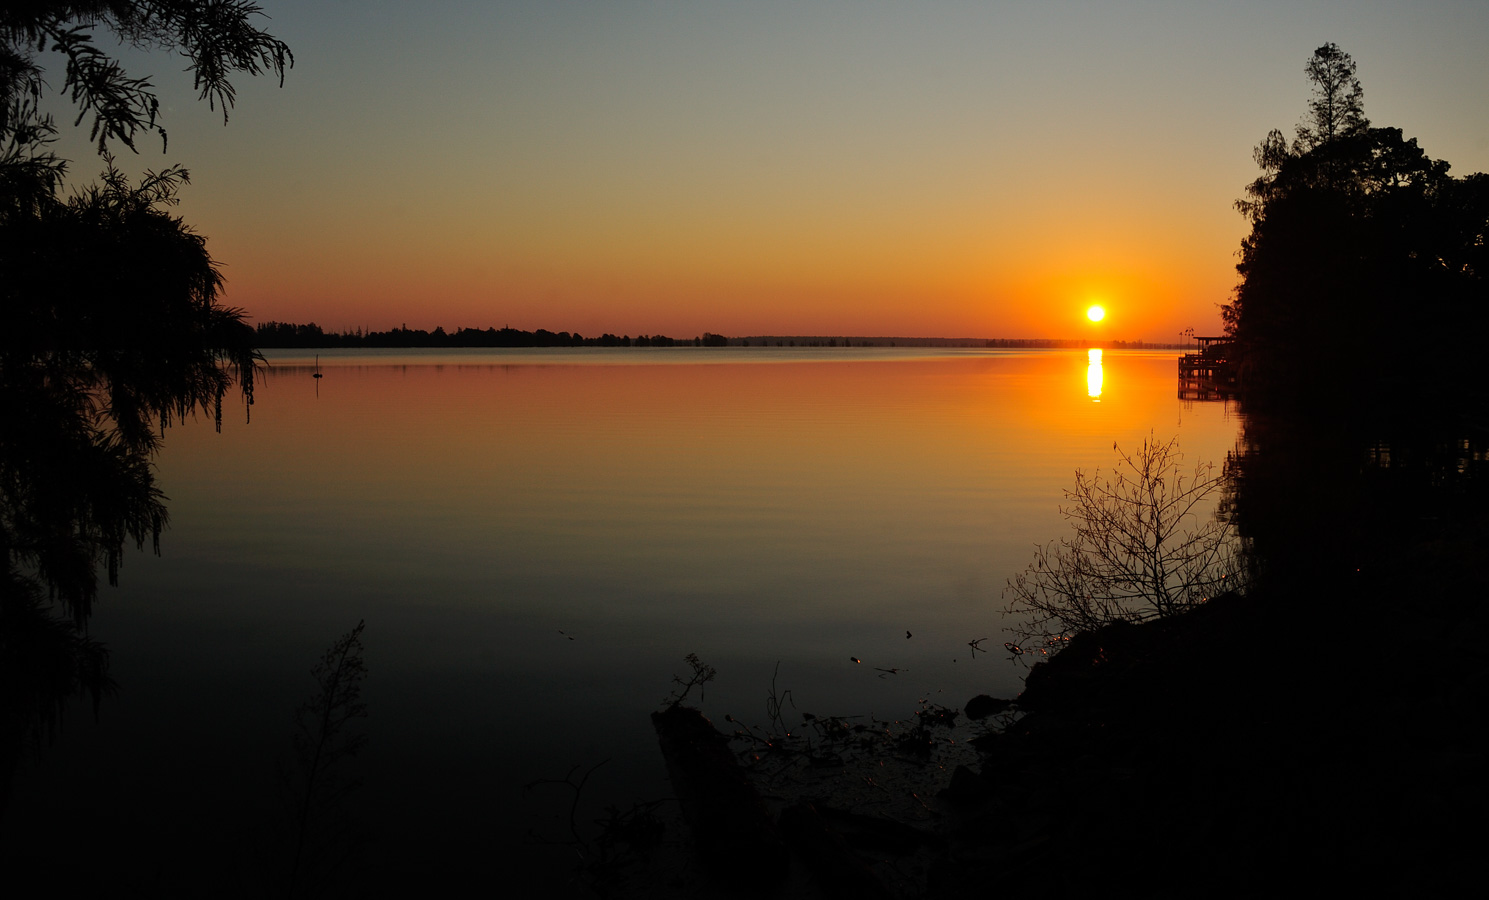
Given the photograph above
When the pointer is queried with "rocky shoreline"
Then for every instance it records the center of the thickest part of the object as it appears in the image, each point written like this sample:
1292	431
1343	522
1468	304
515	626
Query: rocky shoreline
1250	743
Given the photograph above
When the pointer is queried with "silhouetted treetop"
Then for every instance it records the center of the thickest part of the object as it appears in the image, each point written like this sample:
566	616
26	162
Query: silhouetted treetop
1337	108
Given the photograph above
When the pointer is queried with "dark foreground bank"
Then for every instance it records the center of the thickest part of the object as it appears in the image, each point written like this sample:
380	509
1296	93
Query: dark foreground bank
1310	735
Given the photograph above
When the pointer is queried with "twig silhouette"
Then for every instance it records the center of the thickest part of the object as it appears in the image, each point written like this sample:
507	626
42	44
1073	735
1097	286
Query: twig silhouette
322	744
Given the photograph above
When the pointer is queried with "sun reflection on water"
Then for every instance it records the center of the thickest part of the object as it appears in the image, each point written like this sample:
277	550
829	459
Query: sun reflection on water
1093	374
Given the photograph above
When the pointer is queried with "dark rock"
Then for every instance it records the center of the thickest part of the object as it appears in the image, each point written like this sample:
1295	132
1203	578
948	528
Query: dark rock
982	706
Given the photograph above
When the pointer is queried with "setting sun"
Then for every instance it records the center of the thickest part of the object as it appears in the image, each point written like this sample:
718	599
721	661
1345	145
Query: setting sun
1096	314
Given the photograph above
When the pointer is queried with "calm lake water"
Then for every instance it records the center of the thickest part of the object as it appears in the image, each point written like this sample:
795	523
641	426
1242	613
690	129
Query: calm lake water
478	509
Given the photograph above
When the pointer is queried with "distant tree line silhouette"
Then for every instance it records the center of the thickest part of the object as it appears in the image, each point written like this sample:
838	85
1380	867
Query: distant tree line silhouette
288	335
277	335
1359	243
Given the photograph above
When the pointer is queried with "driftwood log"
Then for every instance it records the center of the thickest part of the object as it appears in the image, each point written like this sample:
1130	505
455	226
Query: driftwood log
733	830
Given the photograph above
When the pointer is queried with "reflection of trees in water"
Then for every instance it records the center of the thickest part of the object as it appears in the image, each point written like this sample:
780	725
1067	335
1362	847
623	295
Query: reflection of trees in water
1359	652
1374	489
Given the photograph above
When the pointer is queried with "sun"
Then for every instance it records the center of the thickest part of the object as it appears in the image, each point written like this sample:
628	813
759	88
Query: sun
1096	314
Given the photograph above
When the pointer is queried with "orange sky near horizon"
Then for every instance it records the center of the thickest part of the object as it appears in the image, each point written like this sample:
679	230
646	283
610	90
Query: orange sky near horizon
944	169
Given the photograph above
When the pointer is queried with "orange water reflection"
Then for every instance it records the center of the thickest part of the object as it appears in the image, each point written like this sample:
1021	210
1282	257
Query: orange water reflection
457	429
481	512
1093	374
677	475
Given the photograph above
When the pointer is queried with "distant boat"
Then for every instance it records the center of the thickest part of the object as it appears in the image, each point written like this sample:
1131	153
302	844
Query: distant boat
317	366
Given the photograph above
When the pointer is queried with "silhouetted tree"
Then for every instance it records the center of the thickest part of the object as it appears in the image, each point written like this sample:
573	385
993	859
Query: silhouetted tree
110	325
1359	240
110	316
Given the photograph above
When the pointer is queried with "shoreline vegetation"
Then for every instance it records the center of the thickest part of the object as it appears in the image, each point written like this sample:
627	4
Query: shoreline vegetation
292	336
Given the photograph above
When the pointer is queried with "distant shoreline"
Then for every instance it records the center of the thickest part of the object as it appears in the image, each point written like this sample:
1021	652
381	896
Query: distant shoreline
289	336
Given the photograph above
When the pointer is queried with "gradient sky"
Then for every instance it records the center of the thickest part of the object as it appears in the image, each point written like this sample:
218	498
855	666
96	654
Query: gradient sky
931	168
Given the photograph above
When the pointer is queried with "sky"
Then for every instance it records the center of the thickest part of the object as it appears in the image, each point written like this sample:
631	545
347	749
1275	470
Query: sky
936	168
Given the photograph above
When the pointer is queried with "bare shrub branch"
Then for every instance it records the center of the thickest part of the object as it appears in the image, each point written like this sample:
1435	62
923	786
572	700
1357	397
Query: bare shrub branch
1146	545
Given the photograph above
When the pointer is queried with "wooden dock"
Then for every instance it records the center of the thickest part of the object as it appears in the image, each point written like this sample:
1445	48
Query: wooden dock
1206	375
